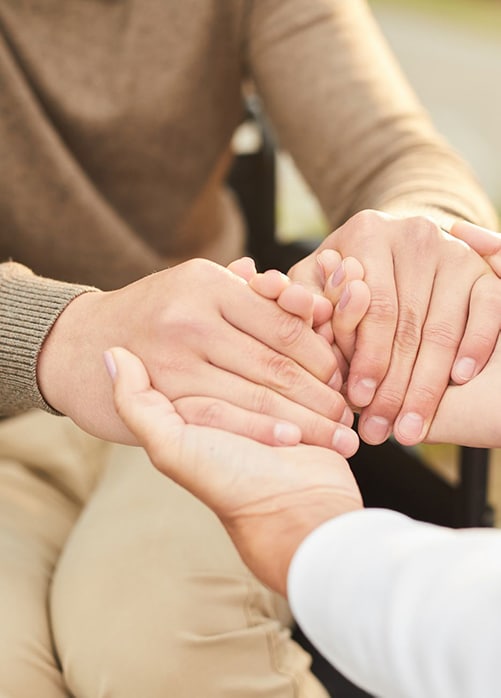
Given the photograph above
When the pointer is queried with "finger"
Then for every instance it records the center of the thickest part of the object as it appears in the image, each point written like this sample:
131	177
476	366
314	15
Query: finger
482	329
486	243
325	330
322	311
286	335
143	409
187	454
309	272
244	267
349	270
376	419
348	314
297	300
441	336
219	414
293	298
267	430
270	284
315	409
328	261
376	334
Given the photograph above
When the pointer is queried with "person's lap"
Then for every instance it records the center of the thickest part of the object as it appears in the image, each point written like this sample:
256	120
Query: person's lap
149	596
41	486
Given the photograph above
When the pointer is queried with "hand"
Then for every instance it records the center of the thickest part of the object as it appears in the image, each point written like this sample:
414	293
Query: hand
468	415
484	319
299	301
225	356
408	341
349	297
269	499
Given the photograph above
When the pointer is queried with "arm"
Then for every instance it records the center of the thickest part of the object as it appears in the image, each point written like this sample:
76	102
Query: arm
342	107
402	608
223	354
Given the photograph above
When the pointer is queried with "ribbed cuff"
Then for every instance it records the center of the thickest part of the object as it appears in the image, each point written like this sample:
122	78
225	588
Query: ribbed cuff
29	306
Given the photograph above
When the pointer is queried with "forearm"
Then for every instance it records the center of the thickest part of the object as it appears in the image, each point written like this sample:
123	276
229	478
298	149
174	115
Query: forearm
368	142
402	608
29	306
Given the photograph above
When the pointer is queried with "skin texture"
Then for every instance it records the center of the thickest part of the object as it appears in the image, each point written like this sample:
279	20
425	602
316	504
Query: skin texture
484	319
408	340
223	354
268	498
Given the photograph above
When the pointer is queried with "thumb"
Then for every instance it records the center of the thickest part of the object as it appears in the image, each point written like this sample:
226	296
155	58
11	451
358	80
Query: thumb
148	414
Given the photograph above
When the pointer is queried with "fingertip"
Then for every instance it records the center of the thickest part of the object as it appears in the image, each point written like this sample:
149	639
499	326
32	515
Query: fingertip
345	441
361	392
464	369
328	260
245	268
287	434
110	364
269	284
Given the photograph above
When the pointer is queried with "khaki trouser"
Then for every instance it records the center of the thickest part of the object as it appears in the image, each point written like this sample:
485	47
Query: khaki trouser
116	582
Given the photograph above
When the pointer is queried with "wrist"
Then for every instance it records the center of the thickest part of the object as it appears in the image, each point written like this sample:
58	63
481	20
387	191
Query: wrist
60	356
268	542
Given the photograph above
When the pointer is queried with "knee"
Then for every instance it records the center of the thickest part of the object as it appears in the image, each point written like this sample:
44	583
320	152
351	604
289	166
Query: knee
185	635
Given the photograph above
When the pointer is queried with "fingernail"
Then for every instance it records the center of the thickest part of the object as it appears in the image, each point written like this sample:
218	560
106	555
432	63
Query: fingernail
410	426
109	362
336	381
321	269
287	434
345	441
465	368
345	298
361	393
338	276
376	429
347	417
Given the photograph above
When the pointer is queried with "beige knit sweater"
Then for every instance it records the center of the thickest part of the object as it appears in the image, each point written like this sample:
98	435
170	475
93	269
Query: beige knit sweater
115	123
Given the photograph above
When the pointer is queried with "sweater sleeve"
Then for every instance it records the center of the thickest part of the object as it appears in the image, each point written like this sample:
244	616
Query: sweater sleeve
342	107
29	306
402	608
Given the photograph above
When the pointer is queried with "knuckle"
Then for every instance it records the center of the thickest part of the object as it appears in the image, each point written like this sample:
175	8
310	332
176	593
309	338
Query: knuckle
424	236
289	329
441	334
425	227
262	400
365	223
487	293
383	307
199	265
367	218
210	414
425	395
408	333
481	342
388	401
283	373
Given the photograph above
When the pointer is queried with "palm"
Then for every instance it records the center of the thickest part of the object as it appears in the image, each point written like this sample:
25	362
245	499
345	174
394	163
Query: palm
260	492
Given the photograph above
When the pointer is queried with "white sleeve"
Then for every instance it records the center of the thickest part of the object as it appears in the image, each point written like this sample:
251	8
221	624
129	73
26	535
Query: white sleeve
402	608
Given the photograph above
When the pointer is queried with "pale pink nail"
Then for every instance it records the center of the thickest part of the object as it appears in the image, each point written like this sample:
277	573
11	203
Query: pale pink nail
109	362
287	434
